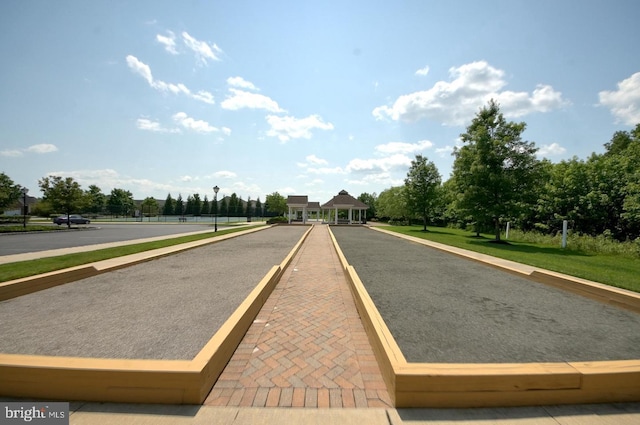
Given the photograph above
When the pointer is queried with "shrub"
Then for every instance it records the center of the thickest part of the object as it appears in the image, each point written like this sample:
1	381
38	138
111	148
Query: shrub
277	220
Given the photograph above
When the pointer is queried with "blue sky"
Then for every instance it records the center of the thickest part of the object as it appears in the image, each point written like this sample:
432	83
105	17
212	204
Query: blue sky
303	98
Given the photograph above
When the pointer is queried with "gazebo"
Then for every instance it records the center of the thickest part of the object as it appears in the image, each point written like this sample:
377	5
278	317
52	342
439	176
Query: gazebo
297	203
344	201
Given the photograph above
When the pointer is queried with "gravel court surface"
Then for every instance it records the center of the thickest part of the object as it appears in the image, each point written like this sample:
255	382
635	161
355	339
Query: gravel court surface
167	308
444	309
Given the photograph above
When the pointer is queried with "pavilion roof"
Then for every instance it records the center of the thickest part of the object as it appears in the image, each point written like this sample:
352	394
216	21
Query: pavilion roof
297	200
344	199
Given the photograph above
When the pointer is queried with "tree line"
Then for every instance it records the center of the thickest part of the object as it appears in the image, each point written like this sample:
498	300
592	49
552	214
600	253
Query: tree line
497	178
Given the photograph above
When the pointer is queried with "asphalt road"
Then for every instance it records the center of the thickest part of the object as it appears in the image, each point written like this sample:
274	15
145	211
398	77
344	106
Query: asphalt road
98	233
167	308
444	309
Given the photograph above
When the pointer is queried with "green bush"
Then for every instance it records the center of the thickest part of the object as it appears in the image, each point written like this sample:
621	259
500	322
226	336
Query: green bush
278	220
601	244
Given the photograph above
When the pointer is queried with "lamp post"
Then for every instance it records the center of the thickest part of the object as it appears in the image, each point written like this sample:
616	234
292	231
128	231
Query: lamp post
24	207
215	201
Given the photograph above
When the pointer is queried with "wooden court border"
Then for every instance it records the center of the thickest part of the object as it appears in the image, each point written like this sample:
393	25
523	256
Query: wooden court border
497	384
136	380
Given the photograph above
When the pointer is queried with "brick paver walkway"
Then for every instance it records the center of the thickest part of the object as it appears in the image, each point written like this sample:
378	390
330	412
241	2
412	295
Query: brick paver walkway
307	346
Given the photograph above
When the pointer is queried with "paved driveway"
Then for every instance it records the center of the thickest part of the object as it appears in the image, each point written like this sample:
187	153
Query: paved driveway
91	235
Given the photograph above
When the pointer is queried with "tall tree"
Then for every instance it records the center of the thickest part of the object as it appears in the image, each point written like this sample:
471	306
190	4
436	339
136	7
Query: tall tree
249	210
392	204
95	199
258	208
276	203
149	206
197	204
120	202
495	169
224	207
168	207
178	208
205	209
233	205
9	191
370	200
65	195
421	188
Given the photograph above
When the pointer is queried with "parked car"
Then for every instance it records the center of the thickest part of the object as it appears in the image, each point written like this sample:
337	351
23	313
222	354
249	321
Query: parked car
73	218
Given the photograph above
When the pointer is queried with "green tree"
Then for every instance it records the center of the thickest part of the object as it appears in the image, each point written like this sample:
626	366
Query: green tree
9	191
258	210
224	207
205	209
370	200
495	170
63	194
421	188
249	210
95	199
276	204
178	208
233	205
149	206
392	204
120	202
169	206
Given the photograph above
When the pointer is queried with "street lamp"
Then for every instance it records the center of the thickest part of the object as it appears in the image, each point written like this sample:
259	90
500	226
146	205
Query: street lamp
215	200
24	207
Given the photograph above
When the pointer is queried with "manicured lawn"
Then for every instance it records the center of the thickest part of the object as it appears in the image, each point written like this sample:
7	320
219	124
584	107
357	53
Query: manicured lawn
33	267
615	270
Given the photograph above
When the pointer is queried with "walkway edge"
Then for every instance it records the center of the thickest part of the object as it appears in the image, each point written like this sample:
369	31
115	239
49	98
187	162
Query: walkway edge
135	380
488	385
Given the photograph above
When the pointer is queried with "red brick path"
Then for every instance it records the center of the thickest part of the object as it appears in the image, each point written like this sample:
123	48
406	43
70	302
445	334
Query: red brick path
307	346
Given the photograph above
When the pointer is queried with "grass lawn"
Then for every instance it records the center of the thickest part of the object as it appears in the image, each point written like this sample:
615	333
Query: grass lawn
33	267
614	270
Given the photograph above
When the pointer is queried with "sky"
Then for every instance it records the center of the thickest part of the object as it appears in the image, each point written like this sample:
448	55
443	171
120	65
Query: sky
299	97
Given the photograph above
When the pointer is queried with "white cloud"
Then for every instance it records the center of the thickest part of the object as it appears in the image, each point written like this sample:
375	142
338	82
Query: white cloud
423	71
378	165
243	99
325	170
312	159
202	49
144	71
140	68
148	125
445	151
187	178
624	103
169	42
204	96
315	182
471	87
225	174
12	153
42	148
551	150
226	131
108	178
404	148
199	126
286	128
241	83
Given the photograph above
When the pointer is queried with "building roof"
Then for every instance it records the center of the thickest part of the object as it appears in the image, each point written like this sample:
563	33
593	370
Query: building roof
343	199
313	205
297	200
